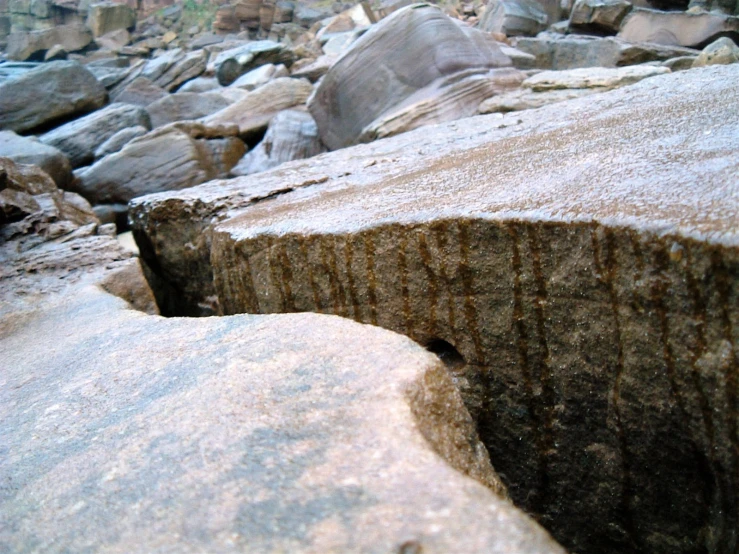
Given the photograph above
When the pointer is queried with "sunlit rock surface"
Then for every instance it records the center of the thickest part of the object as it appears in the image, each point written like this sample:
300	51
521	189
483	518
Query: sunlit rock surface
581	259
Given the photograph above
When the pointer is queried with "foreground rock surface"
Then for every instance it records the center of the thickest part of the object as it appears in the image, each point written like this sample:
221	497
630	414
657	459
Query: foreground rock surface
588	309
123	431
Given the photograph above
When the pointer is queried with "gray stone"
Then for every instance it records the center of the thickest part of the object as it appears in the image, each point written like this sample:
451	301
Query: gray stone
260	76
292	135
231	64
114	40
573	51
119	140
168	70
694	30
200	84
168	158
140	92
305	433
514	17
599	15
576	265
30	151
256	109
311	69
185	106
48	93
106	17
720	52
384	68
80	138
34	44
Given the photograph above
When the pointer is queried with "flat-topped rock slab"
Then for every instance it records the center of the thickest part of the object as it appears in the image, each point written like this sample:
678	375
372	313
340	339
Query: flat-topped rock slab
125	432
576	265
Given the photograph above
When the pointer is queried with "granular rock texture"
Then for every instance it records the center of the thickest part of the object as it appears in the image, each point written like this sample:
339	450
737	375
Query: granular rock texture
124	432
580	278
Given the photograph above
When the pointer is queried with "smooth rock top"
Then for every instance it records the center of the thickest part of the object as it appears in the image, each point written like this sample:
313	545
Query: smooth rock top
124	432
672	168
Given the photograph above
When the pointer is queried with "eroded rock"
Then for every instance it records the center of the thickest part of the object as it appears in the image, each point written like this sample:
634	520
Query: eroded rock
27	150
48	93
677	28
585	307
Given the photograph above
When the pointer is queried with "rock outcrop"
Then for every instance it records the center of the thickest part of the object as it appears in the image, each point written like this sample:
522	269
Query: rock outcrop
34	44
30	151
124	431
48	93
677	28
585	308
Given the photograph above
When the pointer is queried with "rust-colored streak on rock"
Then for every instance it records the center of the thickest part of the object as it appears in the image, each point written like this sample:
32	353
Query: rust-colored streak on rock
403	269
369	253
351	285
466	275
304	251
433	293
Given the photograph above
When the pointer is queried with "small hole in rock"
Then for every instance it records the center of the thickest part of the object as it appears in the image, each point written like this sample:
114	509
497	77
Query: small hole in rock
446	352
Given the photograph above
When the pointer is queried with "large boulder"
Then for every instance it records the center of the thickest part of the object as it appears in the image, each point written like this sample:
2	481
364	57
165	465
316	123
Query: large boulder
256	109
414	48
48	93
576	266
168	158
720	52
140	92
168	70
106	17
31	151
514	17
308	433
694	30
603	16
80	138
231	64
26	45
292	135
185	106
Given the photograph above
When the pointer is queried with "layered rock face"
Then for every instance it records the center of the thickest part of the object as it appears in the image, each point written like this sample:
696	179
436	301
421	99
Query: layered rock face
576	267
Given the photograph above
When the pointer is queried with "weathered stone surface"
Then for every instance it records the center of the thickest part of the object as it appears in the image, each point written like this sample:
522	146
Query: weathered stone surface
720	52
184	106
48	93
256	109
168	71
34	44
602	78
448	99
260	76
599	15
168	158
34	211
571	52
677	28
140	92
106	17
306	434
514	17
312	69
592	300
233	63
26	150
119	140
292	135
414	48
80	138
114	40
200	84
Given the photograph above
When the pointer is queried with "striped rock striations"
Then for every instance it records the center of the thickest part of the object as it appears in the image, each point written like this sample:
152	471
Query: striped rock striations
576	268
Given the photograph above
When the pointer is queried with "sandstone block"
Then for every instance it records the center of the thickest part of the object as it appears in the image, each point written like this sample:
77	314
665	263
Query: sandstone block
106	17
514	17
26	150
694	30
584	308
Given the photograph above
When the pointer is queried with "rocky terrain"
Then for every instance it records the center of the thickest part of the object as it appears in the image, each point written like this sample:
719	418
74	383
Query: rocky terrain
472	271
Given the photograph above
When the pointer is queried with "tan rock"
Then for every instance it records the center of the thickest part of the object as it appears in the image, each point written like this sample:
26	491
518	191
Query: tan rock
29	150
33	44
592	77
514	17
676	28
104	17
599	15
722	51
253	113
305	434
414	48
182	106
575	265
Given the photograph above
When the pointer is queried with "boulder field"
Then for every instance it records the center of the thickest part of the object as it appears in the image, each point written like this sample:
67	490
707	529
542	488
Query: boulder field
575	266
